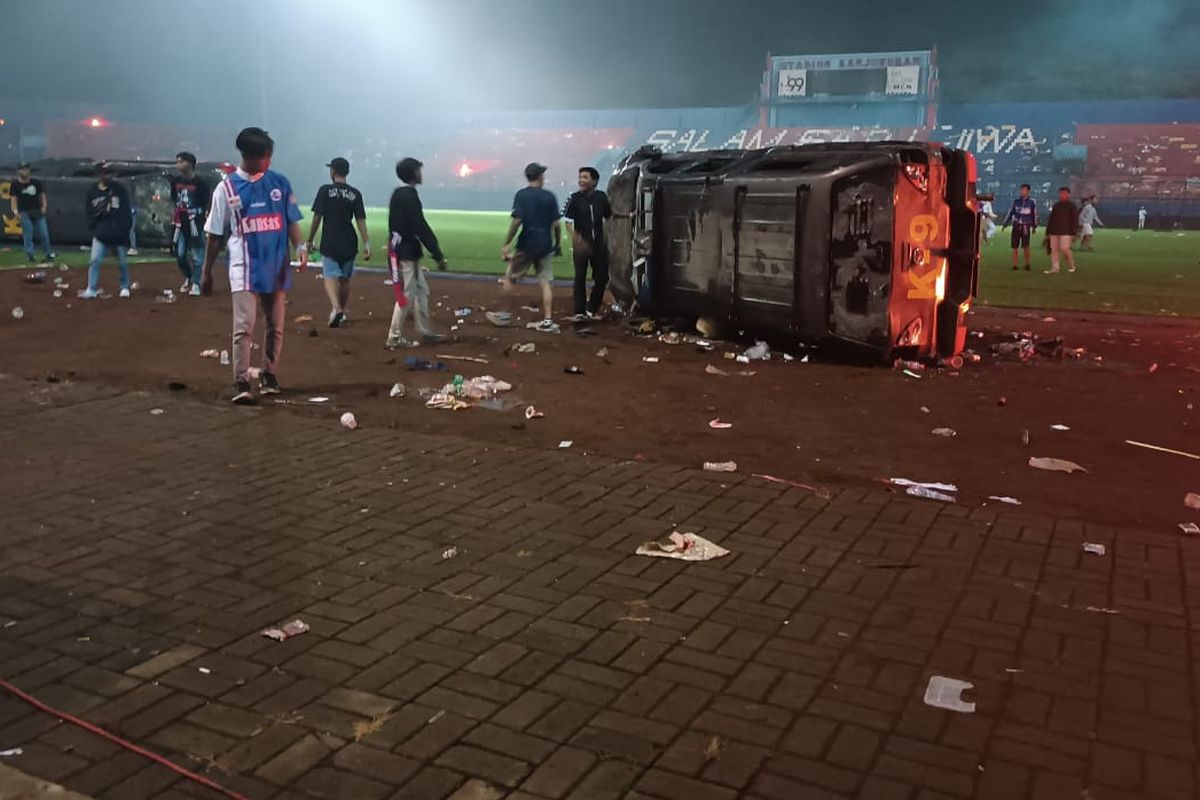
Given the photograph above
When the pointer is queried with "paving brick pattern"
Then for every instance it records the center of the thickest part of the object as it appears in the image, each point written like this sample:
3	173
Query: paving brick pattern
141	556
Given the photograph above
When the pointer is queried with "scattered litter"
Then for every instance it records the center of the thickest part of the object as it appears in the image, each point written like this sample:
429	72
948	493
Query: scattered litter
449	552
796	484
224	358
286	631
18	312
501	319
1190	528
397	390
533	413
1002	401
717	425
712	750
670	338
711	370
156	412
925	409
303	318
947	432
930	491
210	353
650	359
761	351
348	421
204	670
1012	501
532	309
418	363
1049	319
462	312
1192	500
318	399
472	359
720	466
10	623
572	370
788	357
602	352
16	751
526	347
1153	368
1025	437
564	444
1059	427
911	374
446	401
543	327
58	293
682	546
1162	449
479	388
1055	464
436	717
1101	610
37	276
946	693
1093	548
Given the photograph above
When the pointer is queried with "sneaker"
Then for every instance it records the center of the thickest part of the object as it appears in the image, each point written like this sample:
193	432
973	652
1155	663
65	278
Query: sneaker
336	318
51	256
268	383
1051	272
580	317
242	396
195	290
548	326
125	293
1016	268
133	251
88	294
1028	268
432	338
185	287
1072	269
395	344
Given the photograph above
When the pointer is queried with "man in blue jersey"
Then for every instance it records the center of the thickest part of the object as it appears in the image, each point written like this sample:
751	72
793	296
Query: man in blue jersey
255	210
1023	216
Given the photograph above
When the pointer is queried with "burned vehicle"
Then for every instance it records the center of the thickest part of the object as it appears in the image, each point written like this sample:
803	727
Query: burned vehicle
873	244
67	181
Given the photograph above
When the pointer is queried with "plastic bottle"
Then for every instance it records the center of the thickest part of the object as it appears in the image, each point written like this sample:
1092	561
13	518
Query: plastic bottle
225	358
458	385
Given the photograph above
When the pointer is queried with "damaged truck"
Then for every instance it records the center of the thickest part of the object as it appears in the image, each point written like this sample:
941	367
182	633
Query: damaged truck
874	244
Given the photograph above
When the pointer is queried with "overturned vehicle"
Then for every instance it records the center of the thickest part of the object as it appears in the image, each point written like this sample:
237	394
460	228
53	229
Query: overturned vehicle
871	244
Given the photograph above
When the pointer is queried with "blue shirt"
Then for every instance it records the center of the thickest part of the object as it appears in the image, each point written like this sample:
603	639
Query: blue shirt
538	211
1023	212
255	212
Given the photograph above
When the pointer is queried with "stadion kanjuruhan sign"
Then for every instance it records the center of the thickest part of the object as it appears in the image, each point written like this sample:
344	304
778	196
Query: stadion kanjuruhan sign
793	83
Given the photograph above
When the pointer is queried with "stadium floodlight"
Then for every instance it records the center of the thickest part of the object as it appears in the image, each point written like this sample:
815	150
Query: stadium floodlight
97	122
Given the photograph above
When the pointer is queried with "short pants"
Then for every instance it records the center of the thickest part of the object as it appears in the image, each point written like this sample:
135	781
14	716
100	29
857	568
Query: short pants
521	263
1020	236
336	269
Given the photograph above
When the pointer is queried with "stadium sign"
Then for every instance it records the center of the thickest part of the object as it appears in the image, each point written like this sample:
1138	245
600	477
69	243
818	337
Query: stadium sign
793	82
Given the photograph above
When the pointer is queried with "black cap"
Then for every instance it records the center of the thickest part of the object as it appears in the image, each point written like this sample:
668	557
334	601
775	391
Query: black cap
406	169
534	171
104	168
340	166
24	165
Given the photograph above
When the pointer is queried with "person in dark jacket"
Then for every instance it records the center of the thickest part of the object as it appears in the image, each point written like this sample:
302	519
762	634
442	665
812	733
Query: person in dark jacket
192	197
585	213
1064	220
109	220
410	236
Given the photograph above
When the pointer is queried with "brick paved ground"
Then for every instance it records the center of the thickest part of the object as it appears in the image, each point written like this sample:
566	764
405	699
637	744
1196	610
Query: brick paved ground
546	661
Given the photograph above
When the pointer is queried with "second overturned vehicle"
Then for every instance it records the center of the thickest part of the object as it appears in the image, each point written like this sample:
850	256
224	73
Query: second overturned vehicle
872	244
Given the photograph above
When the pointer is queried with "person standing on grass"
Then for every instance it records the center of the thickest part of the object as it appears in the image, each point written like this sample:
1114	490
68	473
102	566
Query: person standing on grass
1089	218
1142	214
29	204
1023	217
1064	217
535	214
340	205
255	210
409	236
109	221
191	195
585	213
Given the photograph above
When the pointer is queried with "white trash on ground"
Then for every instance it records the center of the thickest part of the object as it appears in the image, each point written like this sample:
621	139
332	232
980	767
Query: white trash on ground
946	693
1055	464
720	466
683	546
286	631
1094	549
945	492
348	421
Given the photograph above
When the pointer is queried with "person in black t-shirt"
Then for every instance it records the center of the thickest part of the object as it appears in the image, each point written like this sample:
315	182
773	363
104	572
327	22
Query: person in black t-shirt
585	213
339	205
109	221
192	197
409	236
29	205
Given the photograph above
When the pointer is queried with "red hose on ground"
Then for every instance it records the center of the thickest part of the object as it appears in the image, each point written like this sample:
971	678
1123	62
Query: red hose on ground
141	751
